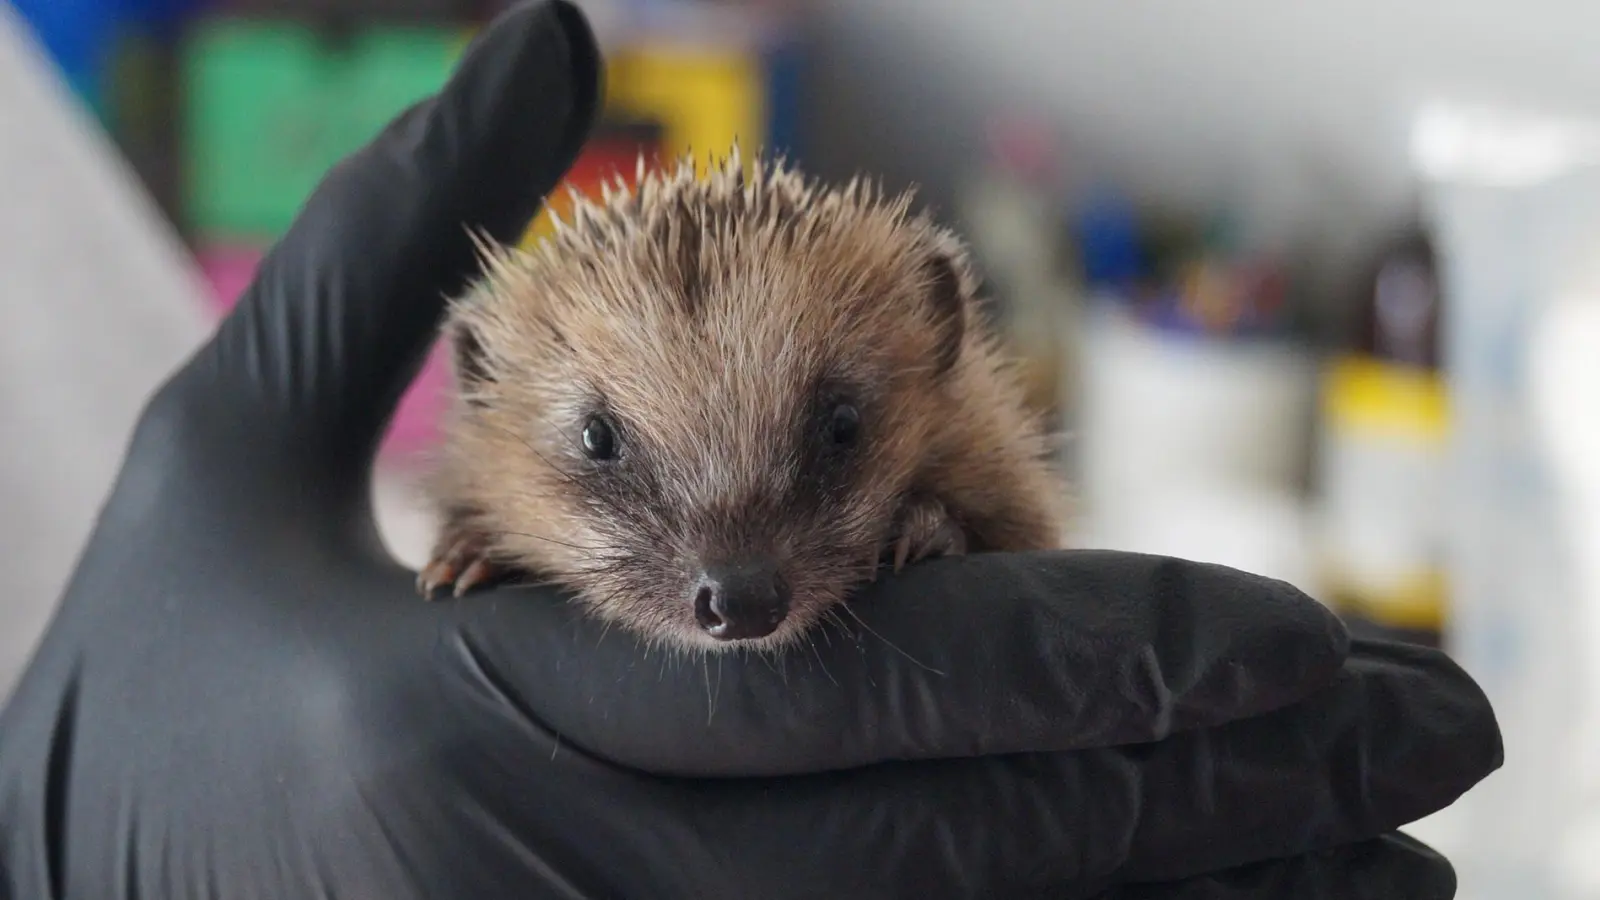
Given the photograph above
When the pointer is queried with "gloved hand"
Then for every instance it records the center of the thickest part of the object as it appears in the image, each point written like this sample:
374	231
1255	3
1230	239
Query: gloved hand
242	696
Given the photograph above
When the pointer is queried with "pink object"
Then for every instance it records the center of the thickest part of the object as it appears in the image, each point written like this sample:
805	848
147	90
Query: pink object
229	271
1025	146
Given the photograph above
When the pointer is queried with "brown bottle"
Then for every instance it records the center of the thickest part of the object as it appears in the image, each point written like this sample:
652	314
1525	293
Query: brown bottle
1384	429
1399	318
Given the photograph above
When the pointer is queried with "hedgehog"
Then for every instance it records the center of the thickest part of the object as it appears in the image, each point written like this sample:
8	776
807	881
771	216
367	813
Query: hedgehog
712	407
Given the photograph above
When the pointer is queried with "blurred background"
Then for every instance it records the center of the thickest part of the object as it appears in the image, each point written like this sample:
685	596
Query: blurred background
1306	289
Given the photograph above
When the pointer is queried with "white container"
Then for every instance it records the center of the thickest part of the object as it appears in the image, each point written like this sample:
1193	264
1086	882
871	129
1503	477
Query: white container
1193	446
1514	202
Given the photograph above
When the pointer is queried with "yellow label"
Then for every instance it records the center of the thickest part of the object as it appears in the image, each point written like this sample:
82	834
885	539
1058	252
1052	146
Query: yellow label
1382	399
1416	602
1383	490
704	100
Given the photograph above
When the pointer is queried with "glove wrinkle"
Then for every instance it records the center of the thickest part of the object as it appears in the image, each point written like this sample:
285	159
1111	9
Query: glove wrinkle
1394	866
1098	665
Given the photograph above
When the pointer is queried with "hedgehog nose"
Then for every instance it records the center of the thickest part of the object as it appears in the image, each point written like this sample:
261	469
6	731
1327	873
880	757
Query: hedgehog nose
741	600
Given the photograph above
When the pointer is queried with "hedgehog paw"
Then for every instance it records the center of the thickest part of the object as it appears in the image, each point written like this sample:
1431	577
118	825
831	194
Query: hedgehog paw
460	560
926	531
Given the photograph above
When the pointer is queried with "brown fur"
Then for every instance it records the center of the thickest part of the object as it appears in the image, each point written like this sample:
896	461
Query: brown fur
712	320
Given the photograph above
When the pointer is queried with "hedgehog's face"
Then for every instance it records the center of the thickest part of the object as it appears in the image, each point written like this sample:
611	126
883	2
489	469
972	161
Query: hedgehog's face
712	458
735	507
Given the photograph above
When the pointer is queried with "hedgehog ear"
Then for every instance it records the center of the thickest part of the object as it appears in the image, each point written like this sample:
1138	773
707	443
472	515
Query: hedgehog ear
948	299
471	367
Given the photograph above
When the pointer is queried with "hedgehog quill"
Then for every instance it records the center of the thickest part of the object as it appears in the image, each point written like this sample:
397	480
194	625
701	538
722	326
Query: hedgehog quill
713	407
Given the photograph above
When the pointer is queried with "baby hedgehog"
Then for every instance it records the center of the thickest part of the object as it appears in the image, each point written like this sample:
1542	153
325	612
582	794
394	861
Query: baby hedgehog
712	406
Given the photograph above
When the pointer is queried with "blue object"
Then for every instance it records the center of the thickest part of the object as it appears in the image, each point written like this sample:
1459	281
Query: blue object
1107	229
784	77
78	35
81	35
163	16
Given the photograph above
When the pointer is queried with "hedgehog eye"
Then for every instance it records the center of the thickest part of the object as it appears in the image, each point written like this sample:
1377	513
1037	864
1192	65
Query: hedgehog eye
844	425
599	441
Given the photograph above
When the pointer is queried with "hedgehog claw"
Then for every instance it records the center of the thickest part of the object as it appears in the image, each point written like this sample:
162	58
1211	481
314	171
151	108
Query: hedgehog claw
481	571
902	550
462	564
927	531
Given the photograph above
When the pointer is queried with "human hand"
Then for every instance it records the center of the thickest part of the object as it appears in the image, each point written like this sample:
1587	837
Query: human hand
242	696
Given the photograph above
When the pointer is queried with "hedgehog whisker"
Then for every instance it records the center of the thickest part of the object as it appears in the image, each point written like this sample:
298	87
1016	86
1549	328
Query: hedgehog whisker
712	696
811	644
605	600
891	644
540	537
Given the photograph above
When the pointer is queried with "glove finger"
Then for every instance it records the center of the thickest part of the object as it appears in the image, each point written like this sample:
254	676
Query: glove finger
993	653
343	309
1399	735
380	764
1392	867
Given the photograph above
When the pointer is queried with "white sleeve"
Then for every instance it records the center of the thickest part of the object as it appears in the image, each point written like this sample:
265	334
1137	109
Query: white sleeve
99	302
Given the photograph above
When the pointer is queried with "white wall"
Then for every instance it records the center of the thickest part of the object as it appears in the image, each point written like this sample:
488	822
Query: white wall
1186	97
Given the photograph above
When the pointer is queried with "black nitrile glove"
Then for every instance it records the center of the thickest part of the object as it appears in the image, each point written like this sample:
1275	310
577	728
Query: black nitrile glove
242	696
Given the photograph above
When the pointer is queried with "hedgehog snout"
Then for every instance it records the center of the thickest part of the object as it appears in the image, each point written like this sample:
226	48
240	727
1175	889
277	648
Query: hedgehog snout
742	598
